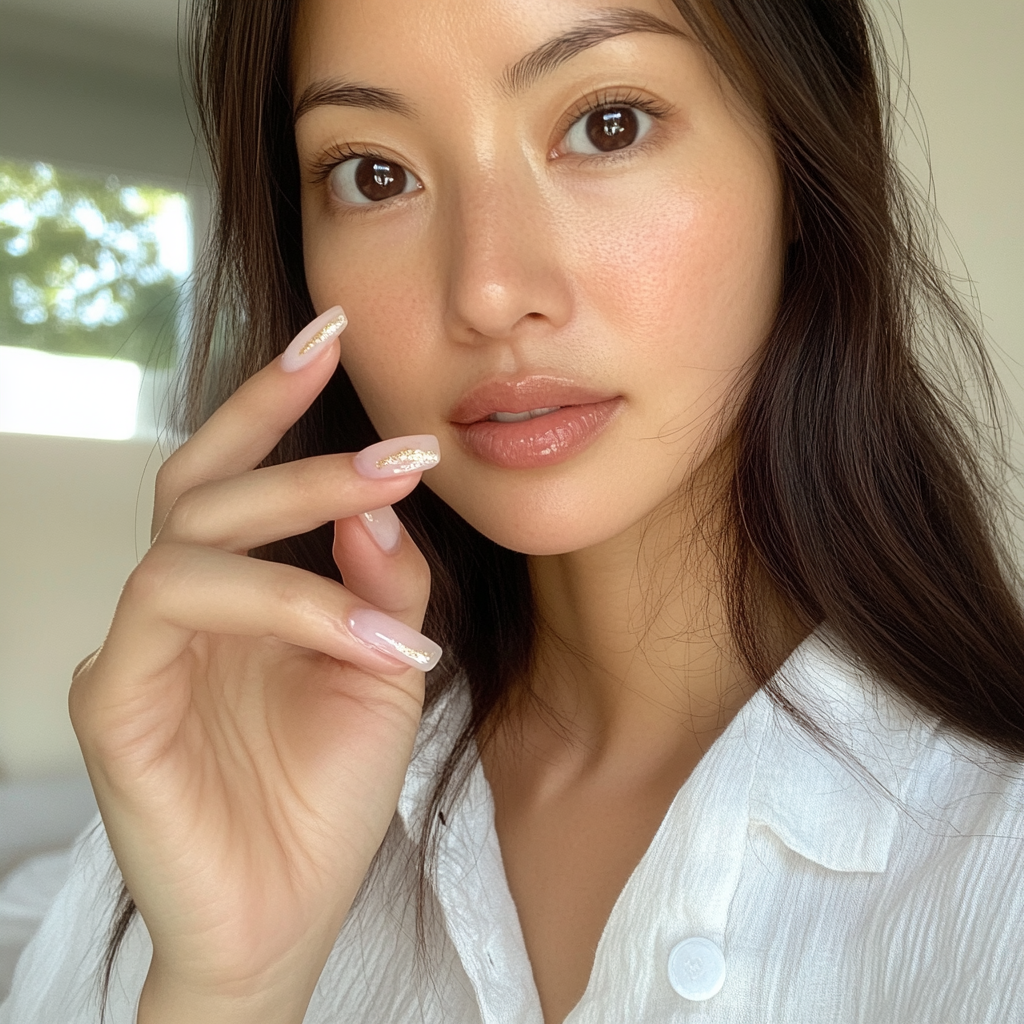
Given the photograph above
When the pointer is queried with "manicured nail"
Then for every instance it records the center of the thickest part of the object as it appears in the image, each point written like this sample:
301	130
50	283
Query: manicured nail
384	527
399	455
306	344
392	637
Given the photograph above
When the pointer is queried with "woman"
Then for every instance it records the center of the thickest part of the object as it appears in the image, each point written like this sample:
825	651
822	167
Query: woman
729	718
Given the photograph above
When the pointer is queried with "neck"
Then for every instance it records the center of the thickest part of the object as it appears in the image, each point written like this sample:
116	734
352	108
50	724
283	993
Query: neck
635	662
633	632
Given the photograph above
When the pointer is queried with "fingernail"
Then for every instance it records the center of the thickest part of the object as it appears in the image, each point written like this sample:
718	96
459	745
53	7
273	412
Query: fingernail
392	637
306	344
384	527
411	454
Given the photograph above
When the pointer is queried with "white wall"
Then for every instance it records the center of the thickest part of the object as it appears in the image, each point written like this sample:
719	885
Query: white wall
966	71
68	513
67	542
93	99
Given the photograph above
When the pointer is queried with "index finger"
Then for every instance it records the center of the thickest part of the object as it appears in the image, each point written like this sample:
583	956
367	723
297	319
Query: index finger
247	427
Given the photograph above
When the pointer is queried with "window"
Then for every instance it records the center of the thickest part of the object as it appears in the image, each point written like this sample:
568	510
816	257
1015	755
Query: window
91	276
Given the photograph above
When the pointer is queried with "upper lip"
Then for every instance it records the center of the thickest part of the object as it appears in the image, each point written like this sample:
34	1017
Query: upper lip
523	394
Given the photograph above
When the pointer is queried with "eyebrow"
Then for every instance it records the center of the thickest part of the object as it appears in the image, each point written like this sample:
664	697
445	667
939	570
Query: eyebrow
616	21
338	93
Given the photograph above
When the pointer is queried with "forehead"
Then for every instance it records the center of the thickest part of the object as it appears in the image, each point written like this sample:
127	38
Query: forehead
454	39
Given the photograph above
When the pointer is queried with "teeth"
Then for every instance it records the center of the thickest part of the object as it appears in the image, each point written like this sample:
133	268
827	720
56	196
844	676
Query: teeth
518	417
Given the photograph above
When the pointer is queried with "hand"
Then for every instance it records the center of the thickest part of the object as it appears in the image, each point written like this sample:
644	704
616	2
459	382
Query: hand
246	746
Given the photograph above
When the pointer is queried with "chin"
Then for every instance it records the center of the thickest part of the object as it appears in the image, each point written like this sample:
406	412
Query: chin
554	541
538	525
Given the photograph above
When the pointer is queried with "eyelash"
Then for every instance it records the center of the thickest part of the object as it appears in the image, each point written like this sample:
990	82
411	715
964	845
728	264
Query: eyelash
602	101
334	155
320	171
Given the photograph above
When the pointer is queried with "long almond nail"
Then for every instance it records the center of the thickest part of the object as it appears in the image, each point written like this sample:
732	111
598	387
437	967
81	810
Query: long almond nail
306	345
411	454
384	527
394	638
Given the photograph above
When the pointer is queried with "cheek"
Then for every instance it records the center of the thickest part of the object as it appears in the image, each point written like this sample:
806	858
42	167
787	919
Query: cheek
389	292
691	277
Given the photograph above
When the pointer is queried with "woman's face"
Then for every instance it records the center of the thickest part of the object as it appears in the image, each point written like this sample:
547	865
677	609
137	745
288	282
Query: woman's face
526	205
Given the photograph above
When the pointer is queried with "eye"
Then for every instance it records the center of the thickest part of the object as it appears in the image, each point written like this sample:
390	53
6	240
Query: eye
371	179
607	129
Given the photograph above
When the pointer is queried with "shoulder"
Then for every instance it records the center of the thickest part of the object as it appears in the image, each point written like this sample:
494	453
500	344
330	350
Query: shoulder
909	833
964	812
951	904
877	784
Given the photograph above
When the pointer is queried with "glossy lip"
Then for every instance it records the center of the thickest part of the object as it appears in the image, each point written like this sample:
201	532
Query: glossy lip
579	414
524	395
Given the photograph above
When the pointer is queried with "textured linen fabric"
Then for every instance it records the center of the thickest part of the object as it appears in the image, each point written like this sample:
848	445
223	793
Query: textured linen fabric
879	882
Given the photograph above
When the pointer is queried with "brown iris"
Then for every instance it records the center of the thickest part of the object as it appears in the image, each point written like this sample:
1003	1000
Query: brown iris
379	179
612	128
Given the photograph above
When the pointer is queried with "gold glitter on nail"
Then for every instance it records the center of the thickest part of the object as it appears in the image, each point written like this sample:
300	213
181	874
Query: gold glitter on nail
420	657
409	459
330	328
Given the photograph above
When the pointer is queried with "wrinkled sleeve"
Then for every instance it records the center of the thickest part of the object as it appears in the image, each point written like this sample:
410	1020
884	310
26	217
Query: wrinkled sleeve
58	979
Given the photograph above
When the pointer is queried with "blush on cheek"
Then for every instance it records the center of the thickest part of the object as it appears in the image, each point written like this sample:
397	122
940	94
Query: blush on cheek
637	281
692	277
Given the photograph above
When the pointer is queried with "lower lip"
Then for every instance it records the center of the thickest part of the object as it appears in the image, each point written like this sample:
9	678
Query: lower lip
543	441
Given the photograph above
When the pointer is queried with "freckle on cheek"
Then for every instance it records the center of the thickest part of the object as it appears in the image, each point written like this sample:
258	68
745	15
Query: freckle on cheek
639	282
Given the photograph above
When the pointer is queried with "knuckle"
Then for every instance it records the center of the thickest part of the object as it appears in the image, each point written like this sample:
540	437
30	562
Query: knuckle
82	668
169	480
78	705
152	577
181	517
420	577
291	593
82	709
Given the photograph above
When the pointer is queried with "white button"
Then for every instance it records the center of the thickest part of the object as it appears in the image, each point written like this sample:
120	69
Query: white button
696	969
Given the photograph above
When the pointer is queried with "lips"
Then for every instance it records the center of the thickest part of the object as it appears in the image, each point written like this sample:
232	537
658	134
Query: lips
532	422
533	394
519	417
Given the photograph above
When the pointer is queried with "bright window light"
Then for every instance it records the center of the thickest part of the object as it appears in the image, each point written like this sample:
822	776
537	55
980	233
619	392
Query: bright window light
70	396
92	271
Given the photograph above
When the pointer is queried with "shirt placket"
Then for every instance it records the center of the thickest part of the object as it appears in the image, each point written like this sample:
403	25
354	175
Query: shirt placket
664	955
479	912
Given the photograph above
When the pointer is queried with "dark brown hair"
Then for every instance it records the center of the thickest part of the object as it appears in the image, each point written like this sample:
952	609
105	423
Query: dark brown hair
859	491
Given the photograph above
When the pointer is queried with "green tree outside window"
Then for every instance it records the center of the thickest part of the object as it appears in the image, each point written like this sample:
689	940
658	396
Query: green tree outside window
89	266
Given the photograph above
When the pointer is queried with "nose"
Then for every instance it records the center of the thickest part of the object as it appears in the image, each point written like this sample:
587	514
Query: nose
505	268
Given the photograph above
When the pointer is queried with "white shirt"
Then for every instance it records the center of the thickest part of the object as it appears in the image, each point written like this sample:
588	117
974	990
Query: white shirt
815	897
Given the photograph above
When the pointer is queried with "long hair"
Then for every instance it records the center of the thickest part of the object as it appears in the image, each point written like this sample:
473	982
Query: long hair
859	491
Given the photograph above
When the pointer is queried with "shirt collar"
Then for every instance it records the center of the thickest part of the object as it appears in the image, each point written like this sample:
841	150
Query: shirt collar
434	741
838	806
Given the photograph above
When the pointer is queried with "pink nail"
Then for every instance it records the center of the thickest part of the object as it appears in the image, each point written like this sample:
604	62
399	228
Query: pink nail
393	638
398	455
384	527
306	345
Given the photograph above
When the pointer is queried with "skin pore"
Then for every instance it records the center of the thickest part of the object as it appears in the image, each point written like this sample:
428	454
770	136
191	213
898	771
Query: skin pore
514	248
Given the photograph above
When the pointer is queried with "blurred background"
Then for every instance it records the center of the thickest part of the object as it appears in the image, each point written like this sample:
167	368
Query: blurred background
103	202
